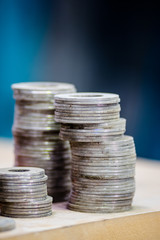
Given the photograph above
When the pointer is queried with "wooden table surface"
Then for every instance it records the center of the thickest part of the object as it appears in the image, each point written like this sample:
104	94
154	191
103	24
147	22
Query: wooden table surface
141	222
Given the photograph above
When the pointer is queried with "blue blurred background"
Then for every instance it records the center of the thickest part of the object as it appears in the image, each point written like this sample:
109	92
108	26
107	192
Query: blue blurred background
109	46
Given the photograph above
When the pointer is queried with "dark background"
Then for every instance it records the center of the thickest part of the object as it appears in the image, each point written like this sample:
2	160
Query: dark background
109	46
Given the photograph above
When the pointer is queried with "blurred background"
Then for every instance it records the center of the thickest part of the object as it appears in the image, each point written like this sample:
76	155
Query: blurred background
109	46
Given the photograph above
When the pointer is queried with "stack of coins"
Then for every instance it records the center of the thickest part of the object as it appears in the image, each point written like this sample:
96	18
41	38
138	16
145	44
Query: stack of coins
103	158
23	193
36	134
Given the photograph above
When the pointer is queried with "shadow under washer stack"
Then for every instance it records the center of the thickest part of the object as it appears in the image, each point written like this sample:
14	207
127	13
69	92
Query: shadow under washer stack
23	193
103	158
36	134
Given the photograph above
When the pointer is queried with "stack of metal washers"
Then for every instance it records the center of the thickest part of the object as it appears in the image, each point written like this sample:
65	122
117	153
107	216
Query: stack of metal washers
23	193
36	134
103	158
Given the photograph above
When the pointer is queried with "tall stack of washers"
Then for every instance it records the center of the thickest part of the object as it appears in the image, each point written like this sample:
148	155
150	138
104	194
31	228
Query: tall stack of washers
103	158
36	134
24	193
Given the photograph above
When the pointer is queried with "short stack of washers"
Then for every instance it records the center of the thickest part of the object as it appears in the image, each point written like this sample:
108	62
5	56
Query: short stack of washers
23	193
36	134
103	158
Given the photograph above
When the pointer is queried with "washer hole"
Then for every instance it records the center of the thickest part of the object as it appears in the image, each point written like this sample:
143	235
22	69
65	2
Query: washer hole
76	95
19	170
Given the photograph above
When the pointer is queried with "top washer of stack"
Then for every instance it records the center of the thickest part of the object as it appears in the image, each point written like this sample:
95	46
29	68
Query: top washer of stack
87	98
37	90
86	107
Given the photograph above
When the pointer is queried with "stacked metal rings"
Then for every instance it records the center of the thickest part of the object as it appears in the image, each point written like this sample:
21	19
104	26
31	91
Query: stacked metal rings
23	193
36	134
103	158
